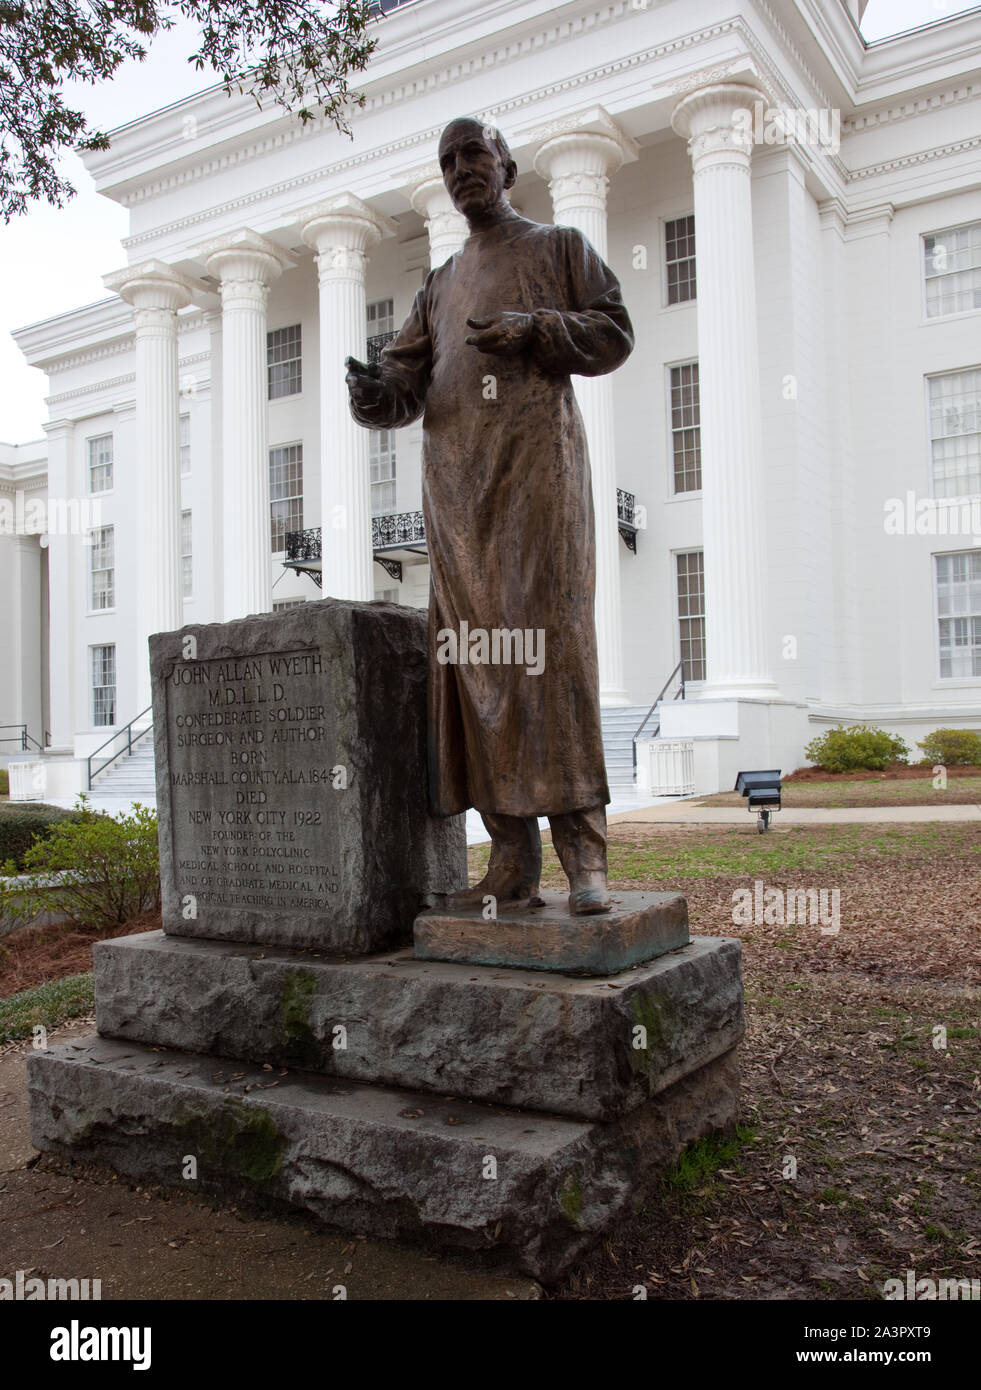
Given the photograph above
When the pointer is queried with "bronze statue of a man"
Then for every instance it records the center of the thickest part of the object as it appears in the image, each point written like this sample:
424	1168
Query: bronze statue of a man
486	357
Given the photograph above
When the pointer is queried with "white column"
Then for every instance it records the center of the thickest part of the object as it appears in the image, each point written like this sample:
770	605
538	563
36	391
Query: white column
578	164
246	265
342	231
28	618
156	293
717	120
446	228
68	560
216	480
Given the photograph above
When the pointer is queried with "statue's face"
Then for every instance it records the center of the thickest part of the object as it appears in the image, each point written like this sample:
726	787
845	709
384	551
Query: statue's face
472	168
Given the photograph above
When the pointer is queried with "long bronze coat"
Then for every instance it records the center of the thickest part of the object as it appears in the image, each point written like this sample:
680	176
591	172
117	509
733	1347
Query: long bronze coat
508	509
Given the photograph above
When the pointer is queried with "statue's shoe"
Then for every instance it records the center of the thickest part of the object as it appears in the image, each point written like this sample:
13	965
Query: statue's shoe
589	894
504	888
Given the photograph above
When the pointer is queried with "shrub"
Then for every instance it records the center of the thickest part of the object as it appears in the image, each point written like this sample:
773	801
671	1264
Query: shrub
21	824
952	747
98	871
4	782
856	746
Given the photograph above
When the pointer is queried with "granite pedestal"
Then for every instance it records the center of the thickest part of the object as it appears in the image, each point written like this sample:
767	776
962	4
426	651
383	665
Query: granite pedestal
513	1101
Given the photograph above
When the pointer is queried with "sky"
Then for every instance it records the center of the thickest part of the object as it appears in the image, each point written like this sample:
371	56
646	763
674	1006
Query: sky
53	260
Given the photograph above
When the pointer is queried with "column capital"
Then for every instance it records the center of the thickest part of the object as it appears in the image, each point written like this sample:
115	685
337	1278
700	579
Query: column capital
717	121
445	224
244	256
587	148
58	429
343	223
152	286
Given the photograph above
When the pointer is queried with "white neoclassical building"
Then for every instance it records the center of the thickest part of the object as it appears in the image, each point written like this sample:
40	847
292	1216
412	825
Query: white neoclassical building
787	471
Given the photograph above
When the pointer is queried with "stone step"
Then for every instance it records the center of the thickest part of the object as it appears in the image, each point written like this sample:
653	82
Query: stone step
514	1037
536	1188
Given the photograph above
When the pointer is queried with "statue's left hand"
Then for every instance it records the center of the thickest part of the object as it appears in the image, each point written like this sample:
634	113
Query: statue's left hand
504	335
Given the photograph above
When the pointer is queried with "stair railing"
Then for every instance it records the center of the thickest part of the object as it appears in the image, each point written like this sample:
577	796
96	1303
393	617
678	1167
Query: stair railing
679	694
24	738
131	740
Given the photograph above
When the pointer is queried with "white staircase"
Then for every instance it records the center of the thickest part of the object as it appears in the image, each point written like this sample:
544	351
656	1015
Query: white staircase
132	777
619	726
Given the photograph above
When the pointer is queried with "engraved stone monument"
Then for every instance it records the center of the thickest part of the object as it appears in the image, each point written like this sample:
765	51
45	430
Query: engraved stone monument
400	1079
486	1068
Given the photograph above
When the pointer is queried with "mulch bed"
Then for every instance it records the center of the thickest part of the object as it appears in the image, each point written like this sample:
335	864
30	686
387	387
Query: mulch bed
33	955
895	772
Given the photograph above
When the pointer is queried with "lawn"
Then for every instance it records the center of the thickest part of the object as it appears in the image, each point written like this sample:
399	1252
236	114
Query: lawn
846	1087
872	789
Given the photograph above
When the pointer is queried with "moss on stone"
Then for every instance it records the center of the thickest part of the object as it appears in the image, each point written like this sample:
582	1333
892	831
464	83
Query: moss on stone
651	1013
570	1197
238	1139
295	999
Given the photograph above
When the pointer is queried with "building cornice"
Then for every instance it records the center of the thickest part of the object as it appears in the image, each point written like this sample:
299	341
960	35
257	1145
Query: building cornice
914	106
417	146
56	345
909	161
460	42
109	384
940	53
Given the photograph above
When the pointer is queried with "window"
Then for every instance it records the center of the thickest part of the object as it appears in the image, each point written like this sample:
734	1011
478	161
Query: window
381	327
283	362
686	440
952	269
285	492
103	686
381	317
103	568
185	444
679	253
381	459
691	614
386	595
283	603
955	433
100	463
959	613
187	574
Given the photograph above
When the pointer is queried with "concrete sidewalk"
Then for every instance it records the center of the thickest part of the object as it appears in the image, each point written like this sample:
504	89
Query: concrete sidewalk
695	813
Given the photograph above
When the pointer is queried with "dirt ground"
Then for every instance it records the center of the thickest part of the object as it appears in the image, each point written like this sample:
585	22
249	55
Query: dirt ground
857	1155
65	1220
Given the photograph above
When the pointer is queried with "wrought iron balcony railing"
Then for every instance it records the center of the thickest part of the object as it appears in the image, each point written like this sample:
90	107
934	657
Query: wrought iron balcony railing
376	343
626	522
303	545
396	529
407	531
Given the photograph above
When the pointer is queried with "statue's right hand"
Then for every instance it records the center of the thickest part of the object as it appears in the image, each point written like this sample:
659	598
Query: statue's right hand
363	381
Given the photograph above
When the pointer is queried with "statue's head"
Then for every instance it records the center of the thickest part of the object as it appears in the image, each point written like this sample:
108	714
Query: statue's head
476	165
